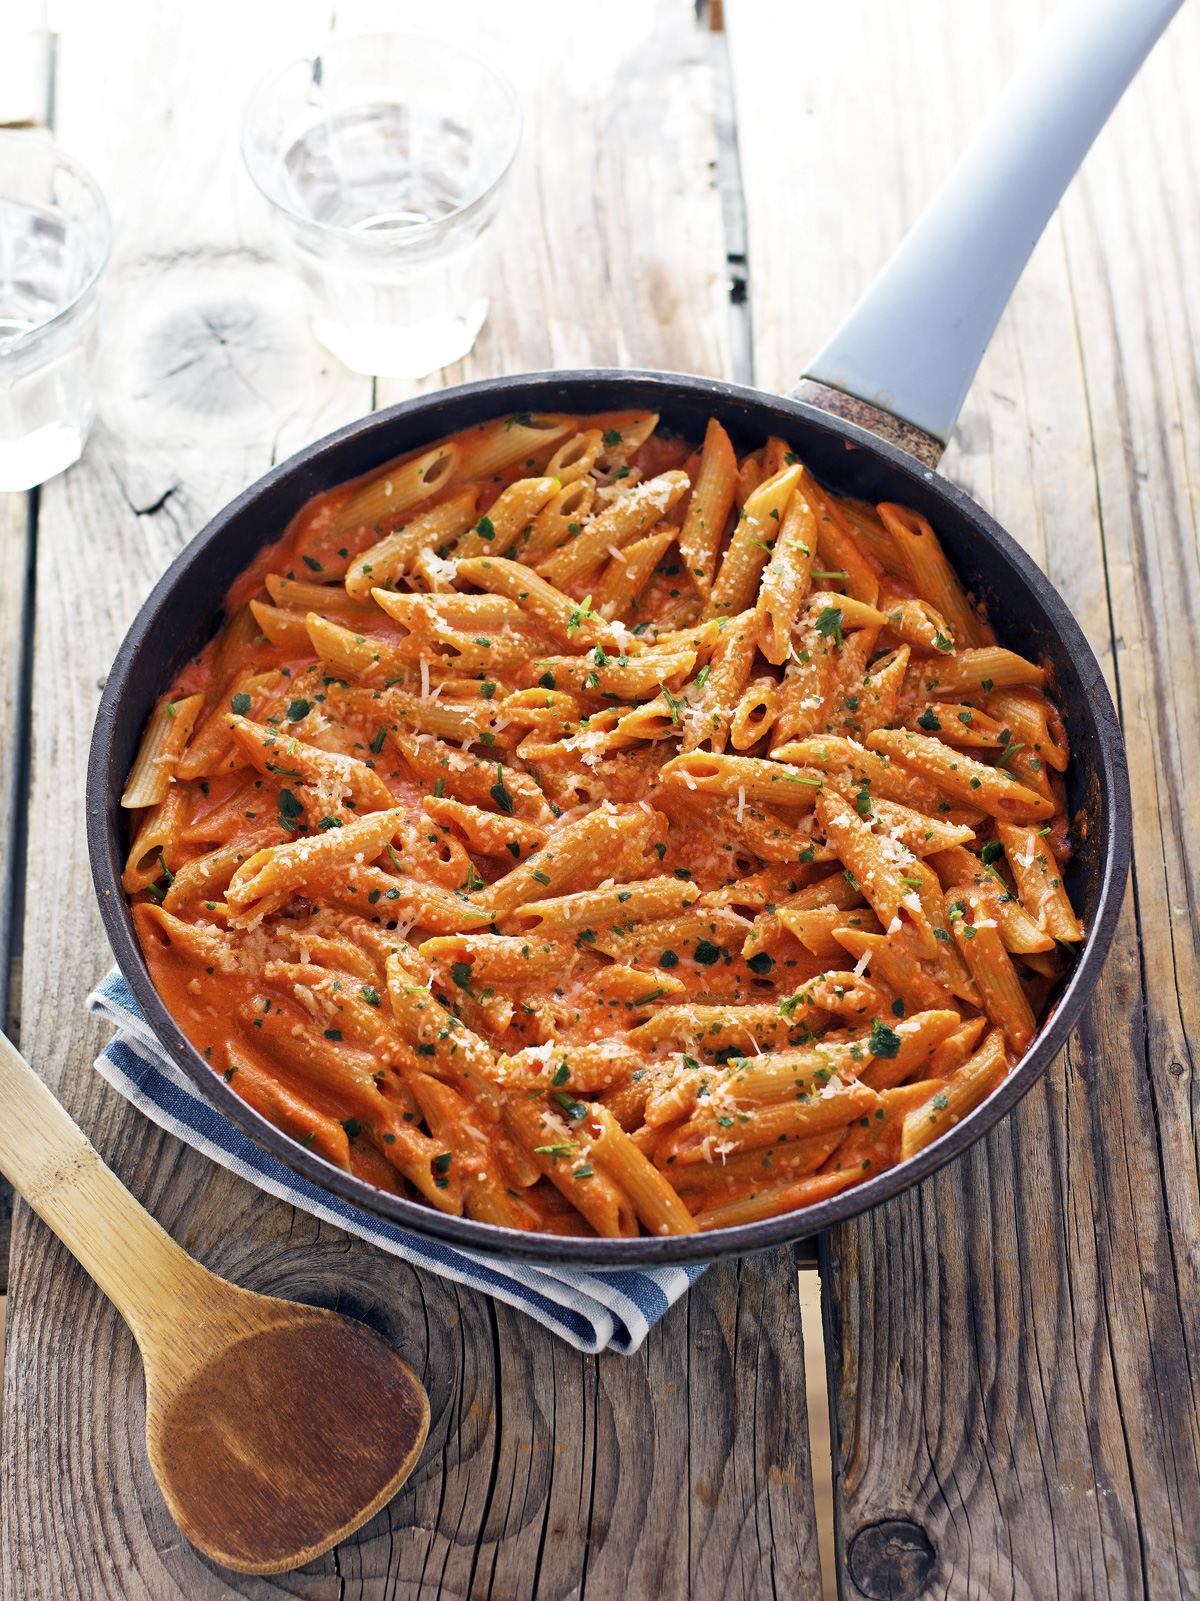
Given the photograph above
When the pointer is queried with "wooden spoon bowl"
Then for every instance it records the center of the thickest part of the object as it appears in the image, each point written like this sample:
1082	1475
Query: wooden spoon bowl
274	1430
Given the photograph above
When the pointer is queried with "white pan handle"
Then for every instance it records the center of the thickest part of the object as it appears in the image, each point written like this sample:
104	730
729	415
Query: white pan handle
912	344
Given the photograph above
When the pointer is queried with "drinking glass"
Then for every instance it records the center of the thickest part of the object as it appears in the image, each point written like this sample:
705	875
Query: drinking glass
383	157
55	233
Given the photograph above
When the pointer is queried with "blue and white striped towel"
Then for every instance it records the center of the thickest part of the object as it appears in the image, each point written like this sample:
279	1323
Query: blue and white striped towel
592	1309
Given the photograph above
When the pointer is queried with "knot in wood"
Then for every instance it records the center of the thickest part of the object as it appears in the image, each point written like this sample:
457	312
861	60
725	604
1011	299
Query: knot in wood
1176	1069
891	1560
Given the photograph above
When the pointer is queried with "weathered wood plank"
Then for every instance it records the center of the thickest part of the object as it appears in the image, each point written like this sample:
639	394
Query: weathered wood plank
23	86
681	1472
15	534
610	246
1013	1346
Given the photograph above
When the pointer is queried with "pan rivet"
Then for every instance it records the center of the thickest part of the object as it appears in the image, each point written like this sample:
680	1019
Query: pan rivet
892	1560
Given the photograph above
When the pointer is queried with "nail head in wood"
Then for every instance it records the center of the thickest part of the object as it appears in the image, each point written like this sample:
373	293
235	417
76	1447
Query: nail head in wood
892	1560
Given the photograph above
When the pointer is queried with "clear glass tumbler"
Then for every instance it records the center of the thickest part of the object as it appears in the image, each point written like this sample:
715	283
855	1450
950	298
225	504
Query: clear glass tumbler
383	156
55	232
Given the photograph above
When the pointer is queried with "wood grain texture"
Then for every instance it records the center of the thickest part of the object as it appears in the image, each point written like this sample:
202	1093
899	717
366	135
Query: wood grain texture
14	561
1014	1346
682	1472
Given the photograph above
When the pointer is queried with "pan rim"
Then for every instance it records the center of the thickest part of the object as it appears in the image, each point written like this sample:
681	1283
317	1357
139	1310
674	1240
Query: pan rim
644	1251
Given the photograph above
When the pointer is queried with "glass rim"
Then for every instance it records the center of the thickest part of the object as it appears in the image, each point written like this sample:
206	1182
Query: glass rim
416	231
46	141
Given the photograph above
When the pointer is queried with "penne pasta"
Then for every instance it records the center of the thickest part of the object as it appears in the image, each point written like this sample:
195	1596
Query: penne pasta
708	508
393	556
167	732
624	521
544	840
390	493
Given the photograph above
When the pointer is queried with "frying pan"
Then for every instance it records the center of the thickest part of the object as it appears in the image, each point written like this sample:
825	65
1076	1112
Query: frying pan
870	419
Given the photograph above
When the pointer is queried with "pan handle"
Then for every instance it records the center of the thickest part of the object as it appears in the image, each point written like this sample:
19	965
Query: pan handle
903	360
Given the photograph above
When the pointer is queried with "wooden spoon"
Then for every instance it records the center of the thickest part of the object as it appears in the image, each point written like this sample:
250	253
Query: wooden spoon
274	1430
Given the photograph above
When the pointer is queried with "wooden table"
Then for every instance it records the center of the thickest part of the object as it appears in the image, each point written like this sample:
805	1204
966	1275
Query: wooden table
1014	1347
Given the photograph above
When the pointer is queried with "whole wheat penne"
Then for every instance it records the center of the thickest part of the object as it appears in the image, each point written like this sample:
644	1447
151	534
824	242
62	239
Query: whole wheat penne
918	831
956	1048
802	693
205	878
754	538
956	1096
297	595
703	1185
867	524
956	724
1039	882
325	778
964	671
563	1155
912	1049
710	713
628	572
564	1072
883	778
1018	930
390	493
621	433
815	928
929	572
600	673
991	789
280	1104
619	524
393	555
368	656
895	961
748	777
507	518
699	938
488	833
880	866
774	1202
496	957
154	841
466	777
558	916
576	456
786	578
709	507
282	868
654	1201
703	1136
756	714
488	448
167	732
712	1028
560	519
288	629
1033	722
979	942
564	619
918	623
549	870
837	545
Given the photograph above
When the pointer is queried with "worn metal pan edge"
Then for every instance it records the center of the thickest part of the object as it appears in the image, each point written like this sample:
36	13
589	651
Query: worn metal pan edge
183	609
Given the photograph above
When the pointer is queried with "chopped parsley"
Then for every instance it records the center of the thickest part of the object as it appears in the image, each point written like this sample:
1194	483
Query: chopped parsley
884	1041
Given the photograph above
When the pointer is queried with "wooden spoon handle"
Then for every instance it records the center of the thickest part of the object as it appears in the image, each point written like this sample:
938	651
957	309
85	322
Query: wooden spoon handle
50	1161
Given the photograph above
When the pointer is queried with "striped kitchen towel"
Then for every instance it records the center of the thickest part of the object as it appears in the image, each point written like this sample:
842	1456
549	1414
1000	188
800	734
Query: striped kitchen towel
592	1309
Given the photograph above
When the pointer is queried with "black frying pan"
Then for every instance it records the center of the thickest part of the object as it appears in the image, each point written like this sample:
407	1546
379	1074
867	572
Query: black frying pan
922	396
